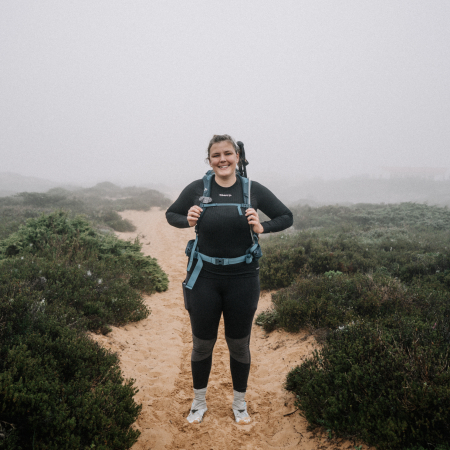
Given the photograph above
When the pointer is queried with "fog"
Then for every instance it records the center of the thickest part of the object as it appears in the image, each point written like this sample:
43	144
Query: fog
131	92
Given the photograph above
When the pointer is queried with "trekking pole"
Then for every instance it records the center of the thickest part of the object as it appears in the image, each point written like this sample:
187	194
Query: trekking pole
243	163
242	167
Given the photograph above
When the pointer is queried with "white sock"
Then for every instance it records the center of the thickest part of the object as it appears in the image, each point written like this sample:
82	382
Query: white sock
239	400
199	400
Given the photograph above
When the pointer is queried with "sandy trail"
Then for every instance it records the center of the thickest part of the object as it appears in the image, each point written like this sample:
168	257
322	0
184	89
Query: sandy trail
156	353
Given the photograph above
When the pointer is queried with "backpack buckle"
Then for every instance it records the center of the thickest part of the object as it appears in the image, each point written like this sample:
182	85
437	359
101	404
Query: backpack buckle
219	261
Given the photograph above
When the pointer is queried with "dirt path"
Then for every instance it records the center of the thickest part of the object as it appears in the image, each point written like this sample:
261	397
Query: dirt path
156	353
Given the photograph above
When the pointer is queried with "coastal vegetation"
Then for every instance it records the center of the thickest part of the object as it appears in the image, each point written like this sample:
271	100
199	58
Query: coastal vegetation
372	282
100	204
61	276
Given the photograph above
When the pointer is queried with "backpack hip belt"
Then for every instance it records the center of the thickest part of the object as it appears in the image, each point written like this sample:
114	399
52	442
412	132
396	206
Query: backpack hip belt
254	252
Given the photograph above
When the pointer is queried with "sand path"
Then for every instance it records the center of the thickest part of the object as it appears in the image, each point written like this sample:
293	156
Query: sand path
156	353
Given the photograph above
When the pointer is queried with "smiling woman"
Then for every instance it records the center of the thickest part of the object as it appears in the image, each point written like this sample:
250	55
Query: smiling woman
223	159
225	279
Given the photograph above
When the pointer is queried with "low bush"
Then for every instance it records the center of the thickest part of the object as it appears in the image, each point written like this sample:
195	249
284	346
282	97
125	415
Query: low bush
387	384
403	253
57	234
374	279
142	201
99	204
419	216
281	262
115	221
58	389
319	301
268	319
70	263
100	292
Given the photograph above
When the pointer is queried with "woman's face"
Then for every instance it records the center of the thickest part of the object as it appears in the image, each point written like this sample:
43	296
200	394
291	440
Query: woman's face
223	159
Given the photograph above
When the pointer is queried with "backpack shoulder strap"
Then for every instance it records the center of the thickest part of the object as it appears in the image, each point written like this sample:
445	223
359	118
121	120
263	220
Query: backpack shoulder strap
253	235
245	182
207	183
205	199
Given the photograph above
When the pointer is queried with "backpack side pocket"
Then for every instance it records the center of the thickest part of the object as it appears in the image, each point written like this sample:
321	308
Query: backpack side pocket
189	247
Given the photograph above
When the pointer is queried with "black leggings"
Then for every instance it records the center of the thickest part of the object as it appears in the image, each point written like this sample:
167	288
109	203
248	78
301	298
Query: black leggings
237	298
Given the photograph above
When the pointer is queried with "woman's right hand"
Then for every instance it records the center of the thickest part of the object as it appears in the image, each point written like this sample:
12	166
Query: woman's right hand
193	215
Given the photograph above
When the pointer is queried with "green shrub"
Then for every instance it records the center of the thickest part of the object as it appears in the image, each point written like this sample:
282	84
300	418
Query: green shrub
268	319
375	279
98	291
281	262
57	234
12	215
388	384
324	301
99	204
98	276
115	221
405	254
58	389
142	201
419	216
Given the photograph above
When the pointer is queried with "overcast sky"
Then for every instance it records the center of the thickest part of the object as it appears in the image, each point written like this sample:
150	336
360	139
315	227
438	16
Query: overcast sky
132	91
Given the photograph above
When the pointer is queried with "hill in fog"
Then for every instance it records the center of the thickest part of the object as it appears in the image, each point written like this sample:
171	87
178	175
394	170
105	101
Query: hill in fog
290	189
13	183
360	190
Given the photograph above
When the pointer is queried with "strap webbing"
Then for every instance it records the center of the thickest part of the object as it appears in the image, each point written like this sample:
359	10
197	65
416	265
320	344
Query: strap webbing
207	183
191	259
239	206
195	273
245	189
216	261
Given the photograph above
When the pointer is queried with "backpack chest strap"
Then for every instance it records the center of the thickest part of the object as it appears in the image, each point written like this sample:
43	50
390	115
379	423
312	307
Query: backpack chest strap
238	205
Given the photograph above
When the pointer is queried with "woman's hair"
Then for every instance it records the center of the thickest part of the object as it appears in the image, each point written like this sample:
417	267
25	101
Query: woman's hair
238	148
220	138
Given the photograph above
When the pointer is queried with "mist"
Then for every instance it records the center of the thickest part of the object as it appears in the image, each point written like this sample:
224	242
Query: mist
131	92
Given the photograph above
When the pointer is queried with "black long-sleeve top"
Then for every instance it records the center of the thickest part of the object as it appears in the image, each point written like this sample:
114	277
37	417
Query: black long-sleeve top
222	232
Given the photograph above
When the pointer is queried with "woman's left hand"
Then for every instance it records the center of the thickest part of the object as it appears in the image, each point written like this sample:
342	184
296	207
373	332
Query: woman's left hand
253	220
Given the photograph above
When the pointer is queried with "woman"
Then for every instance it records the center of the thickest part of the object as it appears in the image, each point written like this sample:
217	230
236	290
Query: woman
224	234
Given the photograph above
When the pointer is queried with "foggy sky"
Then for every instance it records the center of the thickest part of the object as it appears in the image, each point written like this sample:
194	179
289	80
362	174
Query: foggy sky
132	91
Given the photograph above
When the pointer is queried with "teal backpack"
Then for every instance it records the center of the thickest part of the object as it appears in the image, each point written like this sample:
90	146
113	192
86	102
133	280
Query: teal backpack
254	252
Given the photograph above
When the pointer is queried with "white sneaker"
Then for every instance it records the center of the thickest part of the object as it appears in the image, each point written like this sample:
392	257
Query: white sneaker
196	415
241	415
